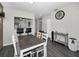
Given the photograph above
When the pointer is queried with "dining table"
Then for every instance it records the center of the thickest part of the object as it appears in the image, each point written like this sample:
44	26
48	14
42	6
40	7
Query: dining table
30	42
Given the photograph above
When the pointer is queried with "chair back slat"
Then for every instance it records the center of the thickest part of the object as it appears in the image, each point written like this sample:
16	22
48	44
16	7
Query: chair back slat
39	35
45	36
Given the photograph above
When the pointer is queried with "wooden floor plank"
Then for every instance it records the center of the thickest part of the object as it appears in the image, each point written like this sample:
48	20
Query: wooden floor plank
58	50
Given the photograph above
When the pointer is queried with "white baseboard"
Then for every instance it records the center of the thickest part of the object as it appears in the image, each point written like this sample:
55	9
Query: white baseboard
7	44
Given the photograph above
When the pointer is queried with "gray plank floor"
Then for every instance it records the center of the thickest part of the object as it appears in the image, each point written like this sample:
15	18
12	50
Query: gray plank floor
7	51
53	50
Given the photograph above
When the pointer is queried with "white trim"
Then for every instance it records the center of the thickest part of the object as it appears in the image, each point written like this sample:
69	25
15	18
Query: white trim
27	54
6	44
27	49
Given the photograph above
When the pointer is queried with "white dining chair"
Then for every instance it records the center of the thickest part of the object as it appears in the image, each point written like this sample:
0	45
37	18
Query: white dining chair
17	51
45	37
16	44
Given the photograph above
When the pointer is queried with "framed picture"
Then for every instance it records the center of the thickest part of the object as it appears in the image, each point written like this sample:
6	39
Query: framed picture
59	14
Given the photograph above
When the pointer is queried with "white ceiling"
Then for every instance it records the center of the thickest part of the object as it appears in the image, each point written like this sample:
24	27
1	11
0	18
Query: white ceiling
40	9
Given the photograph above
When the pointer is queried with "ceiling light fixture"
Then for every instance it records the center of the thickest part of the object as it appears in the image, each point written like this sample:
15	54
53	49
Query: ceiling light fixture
30	1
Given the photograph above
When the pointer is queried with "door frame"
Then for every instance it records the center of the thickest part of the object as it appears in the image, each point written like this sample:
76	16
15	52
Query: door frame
1	41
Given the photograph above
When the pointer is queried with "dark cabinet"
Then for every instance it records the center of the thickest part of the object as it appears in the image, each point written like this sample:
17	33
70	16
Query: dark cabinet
52	36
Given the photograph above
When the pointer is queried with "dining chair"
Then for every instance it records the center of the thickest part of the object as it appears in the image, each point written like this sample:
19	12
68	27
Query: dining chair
17	51
45	37
39	35
16	45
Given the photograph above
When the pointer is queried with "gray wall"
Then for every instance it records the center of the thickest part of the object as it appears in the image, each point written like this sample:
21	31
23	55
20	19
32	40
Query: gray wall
8	22
69	24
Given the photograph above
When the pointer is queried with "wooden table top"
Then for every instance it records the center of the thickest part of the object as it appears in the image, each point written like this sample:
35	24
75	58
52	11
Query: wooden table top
26	41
